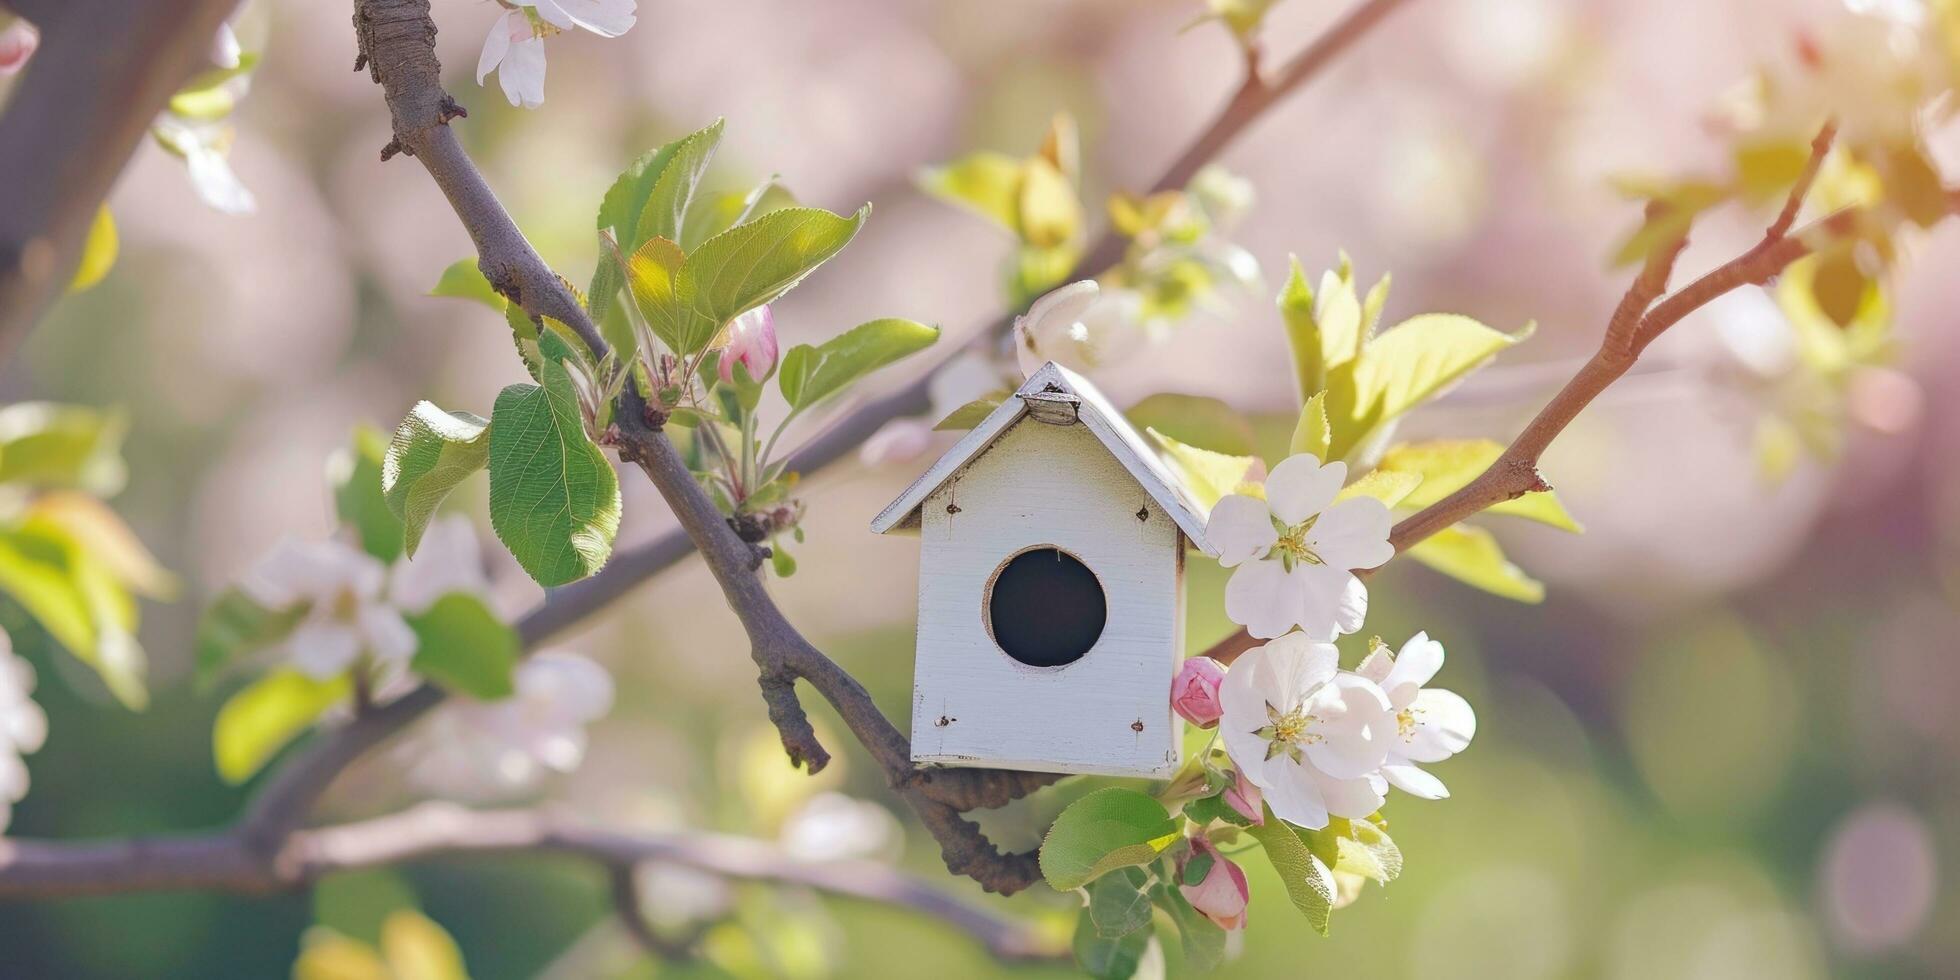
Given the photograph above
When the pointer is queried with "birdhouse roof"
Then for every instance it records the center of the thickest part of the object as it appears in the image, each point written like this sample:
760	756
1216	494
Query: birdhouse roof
1054	393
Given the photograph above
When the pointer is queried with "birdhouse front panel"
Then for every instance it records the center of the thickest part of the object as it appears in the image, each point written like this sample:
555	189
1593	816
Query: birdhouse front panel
1050	611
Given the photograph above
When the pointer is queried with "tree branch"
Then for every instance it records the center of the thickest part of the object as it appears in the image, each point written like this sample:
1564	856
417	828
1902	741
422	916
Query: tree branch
104	70
227	862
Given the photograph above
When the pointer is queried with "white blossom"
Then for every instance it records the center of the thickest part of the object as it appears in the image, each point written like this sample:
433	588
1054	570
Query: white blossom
23	727
1430	724
515	47
833	827
447	560
205	146
1312	737
348	615
1293	552
485	750
1080	326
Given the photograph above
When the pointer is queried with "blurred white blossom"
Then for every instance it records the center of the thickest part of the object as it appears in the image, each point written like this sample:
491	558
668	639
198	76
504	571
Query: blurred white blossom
348	615
23	726
515	47
486	750
449	559
832	827
204	146
1080	326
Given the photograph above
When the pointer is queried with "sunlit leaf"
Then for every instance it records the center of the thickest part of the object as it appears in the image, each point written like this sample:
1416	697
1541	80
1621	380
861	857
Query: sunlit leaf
1302	331
98	251
1446	465
1407	365
985	183
1105	830
1472	555
1051	214
463	280
968	415
431	453
418	949
1209	476
49	446
259	720
101	533
811	374
1195	421
1391	487
1312	433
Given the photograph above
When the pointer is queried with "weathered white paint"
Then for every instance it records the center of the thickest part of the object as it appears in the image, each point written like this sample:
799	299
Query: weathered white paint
1030	484
1057	392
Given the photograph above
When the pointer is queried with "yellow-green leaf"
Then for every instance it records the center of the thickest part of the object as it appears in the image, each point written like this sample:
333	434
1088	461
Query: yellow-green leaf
968	415
419	949
986	183
1446	465
1295	304
1312	434
260	719
98	251
1195	421
463	280
1051	214
1413	362
1388	486
1208	475
1471	555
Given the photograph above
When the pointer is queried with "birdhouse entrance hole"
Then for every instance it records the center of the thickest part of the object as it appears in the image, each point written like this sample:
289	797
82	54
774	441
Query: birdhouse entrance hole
1045	608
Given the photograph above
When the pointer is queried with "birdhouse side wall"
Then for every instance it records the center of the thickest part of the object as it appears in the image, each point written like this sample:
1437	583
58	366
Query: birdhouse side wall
1043	485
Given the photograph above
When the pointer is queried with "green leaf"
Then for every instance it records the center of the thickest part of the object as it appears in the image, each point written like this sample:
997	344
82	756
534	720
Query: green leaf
1309	882
1203	940
667	200
1391	487
986	183
1118	905
780	560
1337	312
259	720
1108	959
355	903
712	216
1194	420
463	646
1471	555
1208	475
655	278
1312	434
463	280
233	626
554	499
1206	809
624	202
1105	830
1404	367
355	474
49	446
811	374
1447	465
969	415
524	333
1302	333
431	453
98	251
754	263
78	600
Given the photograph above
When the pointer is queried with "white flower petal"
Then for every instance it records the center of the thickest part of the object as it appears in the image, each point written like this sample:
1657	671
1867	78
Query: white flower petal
1292	668
1302	486
1061	307
1376	666
1331	601
1354	726
1263	597
1353	534
1415	664
1415	782
321	648
13	777
1445	724
551	13
1352	798
1241	529
497	44
389	638
522	73
573	686
225	50
1243	704
23	724
216	184
1295	795
606	18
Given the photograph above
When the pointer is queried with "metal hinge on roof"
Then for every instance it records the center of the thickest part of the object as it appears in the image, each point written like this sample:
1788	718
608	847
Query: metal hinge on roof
1053	405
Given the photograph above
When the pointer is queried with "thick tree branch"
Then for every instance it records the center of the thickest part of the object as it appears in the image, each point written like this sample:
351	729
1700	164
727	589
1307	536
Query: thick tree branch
227	862
104	70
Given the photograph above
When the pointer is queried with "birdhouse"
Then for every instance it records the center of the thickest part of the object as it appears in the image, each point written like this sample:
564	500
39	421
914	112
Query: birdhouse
1051	590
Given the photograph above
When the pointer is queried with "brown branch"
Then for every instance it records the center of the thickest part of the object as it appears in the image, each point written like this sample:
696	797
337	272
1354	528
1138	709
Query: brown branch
227	862
104	69
1249	103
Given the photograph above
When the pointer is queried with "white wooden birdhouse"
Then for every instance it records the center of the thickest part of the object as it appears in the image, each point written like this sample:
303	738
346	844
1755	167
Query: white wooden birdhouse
1051	590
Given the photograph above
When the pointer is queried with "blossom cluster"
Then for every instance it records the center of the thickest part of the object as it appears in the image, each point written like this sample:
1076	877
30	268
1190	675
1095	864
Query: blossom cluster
1308	741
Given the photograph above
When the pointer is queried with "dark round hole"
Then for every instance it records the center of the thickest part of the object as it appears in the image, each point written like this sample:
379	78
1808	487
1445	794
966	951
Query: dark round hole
1046	608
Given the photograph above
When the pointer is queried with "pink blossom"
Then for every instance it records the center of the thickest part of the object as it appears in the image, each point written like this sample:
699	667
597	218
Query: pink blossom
1221	895
1194	692
1246	798
17	41
752	341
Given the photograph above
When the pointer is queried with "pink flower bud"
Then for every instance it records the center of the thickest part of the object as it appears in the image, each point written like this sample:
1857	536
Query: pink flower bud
1194	692
752	341
17	41
1220	894
1245	798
